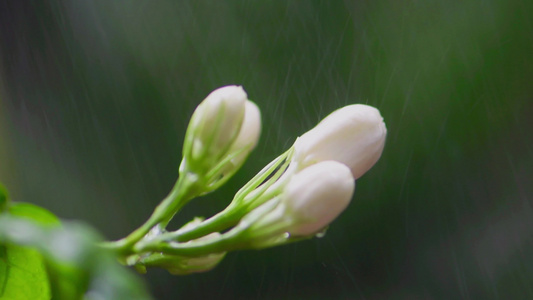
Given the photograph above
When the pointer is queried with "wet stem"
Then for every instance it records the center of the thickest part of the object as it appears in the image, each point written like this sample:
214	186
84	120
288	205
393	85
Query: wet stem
186	188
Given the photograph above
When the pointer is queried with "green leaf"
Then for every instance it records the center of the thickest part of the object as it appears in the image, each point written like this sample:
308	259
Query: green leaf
22	274
39	259
75	266
3	198
34	213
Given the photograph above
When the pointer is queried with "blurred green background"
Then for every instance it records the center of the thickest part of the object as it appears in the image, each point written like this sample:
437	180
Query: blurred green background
95	97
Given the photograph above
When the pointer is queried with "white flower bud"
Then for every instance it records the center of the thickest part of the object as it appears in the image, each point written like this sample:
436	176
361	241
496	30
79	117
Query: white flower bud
315	196
248	135
217	120
353	135
223	130
310	201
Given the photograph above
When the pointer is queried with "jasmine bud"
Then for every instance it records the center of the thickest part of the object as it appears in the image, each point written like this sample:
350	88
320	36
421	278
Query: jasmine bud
353	135
223	130
315	196
311	200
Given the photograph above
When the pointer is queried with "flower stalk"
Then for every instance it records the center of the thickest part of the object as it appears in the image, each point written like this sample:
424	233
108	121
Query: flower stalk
295	197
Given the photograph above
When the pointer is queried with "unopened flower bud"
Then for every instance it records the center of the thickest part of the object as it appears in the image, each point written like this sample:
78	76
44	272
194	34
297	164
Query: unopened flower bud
353	135
315	196
223	130
311	200
216	121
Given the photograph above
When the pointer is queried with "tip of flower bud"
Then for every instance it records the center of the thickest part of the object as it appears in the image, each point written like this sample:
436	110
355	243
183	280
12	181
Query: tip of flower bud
353	135
229	92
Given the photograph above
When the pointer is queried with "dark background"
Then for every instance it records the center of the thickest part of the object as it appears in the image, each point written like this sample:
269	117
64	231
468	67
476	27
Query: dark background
95	97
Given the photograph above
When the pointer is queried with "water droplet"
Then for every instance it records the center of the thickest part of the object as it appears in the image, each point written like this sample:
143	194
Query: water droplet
322	233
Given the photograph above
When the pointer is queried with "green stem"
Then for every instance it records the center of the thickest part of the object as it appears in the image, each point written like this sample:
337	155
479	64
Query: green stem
225	219
257	230
184	190
240	206
226	242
